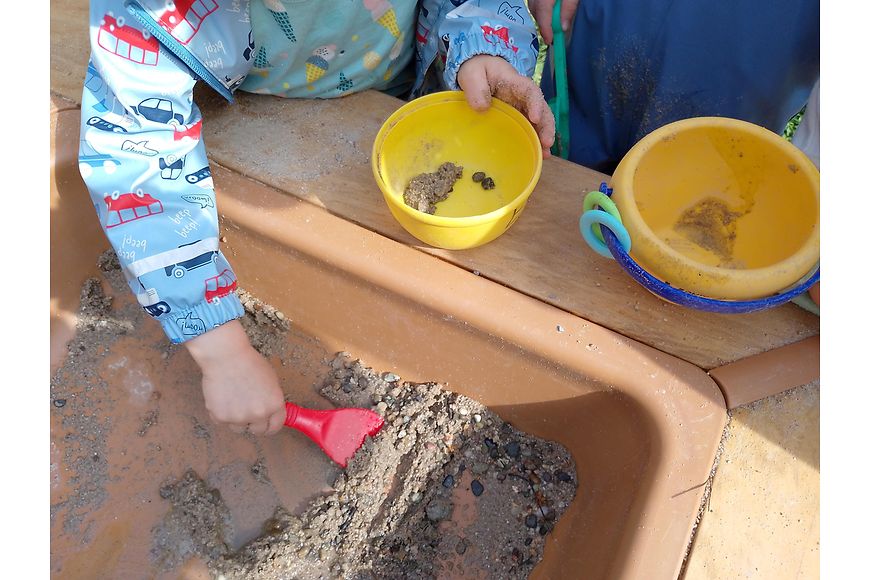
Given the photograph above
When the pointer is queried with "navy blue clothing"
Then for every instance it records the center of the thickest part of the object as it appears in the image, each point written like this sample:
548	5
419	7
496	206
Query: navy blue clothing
635	65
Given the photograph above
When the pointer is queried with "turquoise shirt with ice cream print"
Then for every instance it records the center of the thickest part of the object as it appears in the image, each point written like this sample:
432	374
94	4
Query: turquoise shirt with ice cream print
310	48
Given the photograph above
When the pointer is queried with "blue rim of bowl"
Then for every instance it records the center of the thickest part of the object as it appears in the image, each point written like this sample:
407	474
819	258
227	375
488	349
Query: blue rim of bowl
684	298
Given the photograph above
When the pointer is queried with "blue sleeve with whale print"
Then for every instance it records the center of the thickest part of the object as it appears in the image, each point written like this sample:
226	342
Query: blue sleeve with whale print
449	32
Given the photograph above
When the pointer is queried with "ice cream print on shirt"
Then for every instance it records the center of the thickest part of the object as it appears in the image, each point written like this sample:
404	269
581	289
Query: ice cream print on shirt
318	63
316	49
384	14
279	13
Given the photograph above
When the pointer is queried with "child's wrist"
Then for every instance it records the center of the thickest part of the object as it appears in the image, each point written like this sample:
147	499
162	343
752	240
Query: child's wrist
219	345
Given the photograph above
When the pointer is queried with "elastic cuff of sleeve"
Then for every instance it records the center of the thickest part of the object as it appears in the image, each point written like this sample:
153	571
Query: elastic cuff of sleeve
474	45
201	318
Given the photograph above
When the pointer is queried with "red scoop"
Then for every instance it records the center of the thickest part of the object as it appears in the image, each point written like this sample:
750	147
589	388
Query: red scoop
339	432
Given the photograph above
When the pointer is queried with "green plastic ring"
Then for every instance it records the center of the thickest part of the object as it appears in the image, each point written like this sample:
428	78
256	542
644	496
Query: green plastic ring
606	204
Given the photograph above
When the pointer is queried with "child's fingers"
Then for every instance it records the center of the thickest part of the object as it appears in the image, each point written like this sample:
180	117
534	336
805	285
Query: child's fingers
258	427
472	79
542	10
527	97
276	421
483	77
569	8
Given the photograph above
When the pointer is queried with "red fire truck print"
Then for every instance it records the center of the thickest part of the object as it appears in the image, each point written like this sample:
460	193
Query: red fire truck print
126	41
422	33
129	207
191	132
493	35
183	18
219	286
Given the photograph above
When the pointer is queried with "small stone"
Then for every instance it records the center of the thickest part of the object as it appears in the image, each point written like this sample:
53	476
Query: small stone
531	521
448	482
478	176
476	418
476	488
461	546
463	411
544	529
490	443
488	183
562	476
401	434
493	453
479	468
438	510
416	497
391	377
560	328
59	403
167	491
513	449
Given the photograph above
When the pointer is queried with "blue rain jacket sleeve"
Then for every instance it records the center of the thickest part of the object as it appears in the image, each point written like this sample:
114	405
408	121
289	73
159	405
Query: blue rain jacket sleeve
449	32
142	157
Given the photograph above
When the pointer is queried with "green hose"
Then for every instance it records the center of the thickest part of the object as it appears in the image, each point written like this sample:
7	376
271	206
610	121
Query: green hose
559	103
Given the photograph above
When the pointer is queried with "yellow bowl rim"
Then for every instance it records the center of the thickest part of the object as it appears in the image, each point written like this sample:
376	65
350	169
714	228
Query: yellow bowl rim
443	97
807	253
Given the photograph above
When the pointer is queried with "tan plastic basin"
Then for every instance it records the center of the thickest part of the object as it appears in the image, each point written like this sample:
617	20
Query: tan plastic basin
643	426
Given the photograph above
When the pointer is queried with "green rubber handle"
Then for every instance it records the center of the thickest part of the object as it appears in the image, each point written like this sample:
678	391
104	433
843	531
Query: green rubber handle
559	103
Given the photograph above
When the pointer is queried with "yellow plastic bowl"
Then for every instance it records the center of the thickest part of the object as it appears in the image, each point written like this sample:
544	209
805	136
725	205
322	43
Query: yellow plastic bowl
440	127
720	207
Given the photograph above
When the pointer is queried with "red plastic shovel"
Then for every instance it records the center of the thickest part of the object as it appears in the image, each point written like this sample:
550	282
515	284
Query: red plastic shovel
339	432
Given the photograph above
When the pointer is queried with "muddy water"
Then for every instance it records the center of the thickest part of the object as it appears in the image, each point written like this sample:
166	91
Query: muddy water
127	415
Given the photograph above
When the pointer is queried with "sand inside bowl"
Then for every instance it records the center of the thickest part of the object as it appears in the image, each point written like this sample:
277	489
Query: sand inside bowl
427	189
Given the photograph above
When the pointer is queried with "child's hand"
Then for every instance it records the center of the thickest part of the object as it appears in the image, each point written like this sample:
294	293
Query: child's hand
240	387
542	10
814	293
485	76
